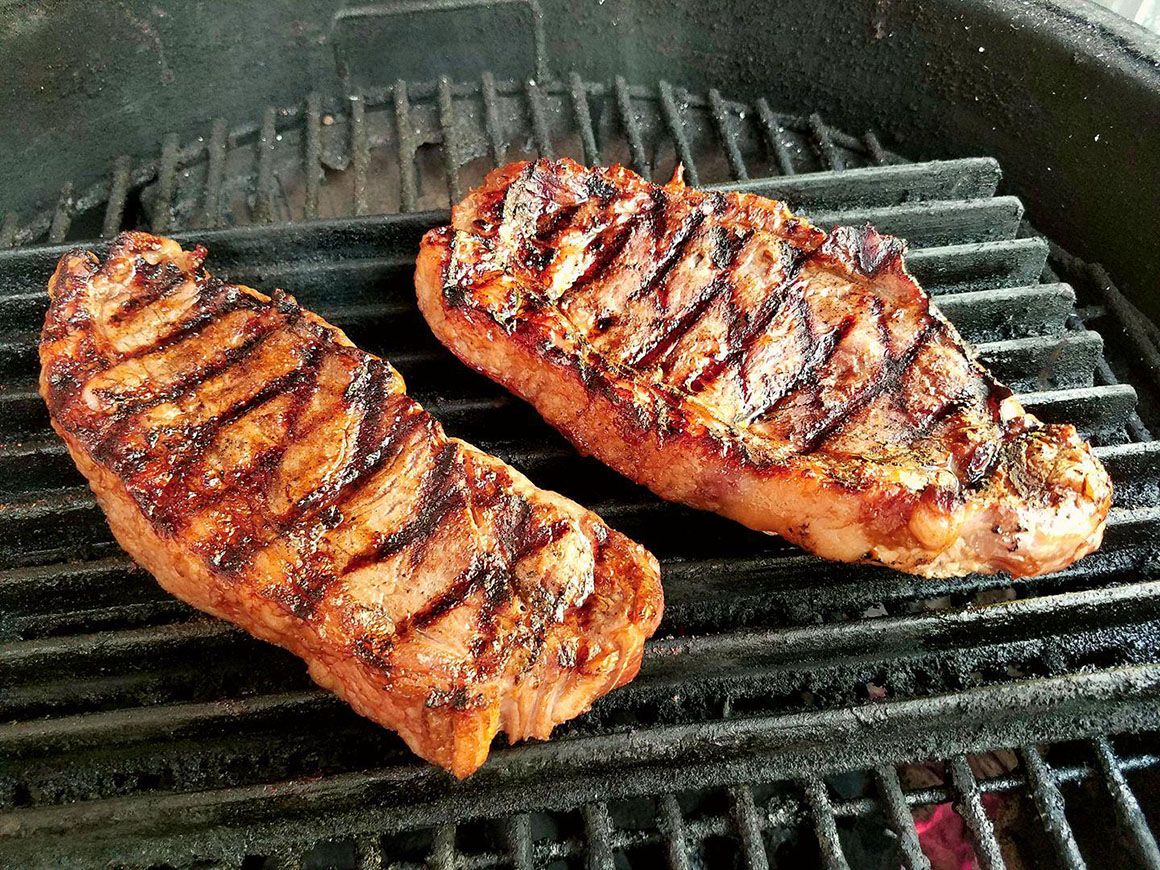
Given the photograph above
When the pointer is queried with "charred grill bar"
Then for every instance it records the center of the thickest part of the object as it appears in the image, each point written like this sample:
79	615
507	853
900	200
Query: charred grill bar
139	730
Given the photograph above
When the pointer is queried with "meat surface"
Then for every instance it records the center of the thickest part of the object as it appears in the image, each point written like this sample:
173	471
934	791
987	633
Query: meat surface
267	471
731	356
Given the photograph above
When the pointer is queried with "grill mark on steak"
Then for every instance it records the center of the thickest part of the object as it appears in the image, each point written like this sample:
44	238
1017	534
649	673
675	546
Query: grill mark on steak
664	342
216	301
612	246
818	351
494	574
355	474
549	230
741	336
439	494
110	446
889	374
164	509
946	409
160	281
257	331
710	293
253	479
368	392
684	235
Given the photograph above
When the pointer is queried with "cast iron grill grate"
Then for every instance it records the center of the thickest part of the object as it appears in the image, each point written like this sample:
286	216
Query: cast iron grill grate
780	693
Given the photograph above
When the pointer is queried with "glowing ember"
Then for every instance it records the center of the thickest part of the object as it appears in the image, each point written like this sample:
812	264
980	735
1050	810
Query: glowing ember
944	837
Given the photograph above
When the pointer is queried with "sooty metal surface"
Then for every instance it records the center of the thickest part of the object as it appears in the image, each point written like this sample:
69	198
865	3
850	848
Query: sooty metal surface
789	711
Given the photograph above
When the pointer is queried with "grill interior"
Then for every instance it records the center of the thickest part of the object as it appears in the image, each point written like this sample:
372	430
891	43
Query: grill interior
784	702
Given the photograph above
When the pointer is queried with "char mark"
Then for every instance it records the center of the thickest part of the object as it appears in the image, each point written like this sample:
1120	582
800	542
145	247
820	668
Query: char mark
726	248
890	374
672	256
600	187
602	262
493	574
408	417
215	300
946	409
161	280
439	494
741	336
819	350
258	331
551	226
167	508
650	353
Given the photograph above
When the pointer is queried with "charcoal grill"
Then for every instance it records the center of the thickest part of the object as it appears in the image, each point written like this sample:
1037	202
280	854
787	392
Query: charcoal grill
784	703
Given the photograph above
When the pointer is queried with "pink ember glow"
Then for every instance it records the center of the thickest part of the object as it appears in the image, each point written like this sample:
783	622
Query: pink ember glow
944	838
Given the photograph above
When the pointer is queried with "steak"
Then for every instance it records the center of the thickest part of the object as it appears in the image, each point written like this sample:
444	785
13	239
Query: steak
267	471
731	356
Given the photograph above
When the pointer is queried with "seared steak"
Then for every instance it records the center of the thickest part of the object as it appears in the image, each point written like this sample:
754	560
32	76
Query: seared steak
731	356
267	471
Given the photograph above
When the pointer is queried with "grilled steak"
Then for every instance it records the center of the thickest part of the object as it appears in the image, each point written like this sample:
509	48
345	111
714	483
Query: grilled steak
731	356
267	471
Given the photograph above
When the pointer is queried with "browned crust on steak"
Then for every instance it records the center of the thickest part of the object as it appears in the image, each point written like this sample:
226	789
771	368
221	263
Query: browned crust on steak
268	472
729	355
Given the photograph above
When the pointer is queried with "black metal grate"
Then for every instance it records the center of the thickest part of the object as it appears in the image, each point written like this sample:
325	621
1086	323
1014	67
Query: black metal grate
784	700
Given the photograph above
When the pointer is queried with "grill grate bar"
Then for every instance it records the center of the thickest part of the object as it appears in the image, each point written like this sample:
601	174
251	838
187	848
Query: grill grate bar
722	121
1002	784
312	160
671	825
264	195
583	114
216	150
598	830
8	230
935	223
775	138
407	147
822	814
1126	806
452	158
1137	431
676	127
360	154
903	186
951	268
1049	802
495	139
969	805
540	133
166	183
900	818
1130	319
118	192
748	826
62	216
518	833
874	148
443	853
824	144
631	125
